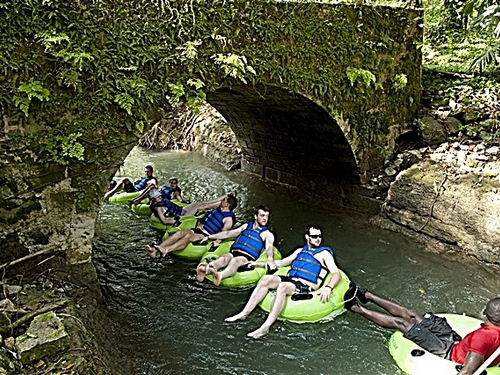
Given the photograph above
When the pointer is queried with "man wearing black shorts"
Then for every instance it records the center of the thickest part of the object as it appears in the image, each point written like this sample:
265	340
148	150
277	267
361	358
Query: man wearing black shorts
217	220
309	267
251	239
433	333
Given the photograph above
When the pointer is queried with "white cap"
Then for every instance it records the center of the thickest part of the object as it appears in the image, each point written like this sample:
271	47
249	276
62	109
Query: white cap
154	193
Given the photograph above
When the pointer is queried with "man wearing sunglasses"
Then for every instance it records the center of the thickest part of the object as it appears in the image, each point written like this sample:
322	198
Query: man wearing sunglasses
309	267
433	333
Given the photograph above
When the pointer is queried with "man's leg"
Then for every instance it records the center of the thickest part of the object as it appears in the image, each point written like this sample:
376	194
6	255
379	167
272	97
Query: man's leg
182	241
203	269
258	294
401	318
230	270
144	194
177	236
284	289
120	184
210	204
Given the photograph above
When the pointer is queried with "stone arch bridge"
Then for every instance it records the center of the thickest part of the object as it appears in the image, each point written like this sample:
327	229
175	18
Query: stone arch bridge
316	94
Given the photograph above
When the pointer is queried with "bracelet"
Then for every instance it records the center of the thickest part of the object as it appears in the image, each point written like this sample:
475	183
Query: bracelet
328	286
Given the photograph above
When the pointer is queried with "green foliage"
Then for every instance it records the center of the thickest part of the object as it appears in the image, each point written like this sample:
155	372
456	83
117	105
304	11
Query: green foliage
486	19
363	76
399	81
234	66
62	148
112	68
28	91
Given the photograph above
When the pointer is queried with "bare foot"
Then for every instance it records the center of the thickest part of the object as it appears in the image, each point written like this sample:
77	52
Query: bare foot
258	333
201	272
161	250
215	274
151	251
236	317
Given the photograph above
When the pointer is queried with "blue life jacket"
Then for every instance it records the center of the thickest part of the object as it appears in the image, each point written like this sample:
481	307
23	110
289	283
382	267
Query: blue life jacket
213	221
167	191
142	183
172	208
306	266
250	241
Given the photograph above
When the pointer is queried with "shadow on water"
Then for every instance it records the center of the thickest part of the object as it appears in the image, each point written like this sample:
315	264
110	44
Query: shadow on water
171	324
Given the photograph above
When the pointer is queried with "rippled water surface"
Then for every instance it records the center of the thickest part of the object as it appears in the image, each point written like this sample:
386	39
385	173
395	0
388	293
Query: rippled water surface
172	324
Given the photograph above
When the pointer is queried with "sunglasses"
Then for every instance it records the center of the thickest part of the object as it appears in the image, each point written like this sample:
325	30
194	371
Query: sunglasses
314	236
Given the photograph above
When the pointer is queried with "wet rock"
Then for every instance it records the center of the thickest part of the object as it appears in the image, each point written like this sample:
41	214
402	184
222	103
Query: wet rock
492	150
436	156
480	157
461	156
452	125
13	289
10	343
433	132
472	222
442	148
439	103
390	171
470	115
45	336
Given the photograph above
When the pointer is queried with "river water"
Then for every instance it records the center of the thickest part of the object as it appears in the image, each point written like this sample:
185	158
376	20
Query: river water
169	323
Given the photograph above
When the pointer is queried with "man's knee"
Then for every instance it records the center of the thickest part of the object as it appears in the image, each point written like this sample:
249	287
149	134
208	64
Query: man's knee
271	281
286	288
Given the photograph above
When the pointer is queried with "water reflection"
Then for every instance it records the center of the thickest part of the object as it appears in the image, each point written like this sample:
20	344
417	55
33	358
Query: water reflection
171	324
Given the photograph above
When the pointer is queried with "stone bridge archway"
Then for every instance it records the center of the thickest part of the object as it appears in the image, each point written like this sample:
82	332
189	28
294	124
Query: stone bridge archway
83	80
287	138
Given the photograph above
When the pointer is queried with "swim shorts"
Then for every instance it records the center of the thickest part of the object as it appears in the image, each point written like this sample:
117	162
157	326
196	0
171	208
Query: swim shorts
434	334
300	287
238	253
199	231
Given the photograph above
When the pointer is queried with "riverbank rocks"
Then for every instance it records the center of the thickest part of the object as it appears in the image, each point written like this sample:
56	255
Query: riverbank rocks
45	336
454	208
6	365
447	196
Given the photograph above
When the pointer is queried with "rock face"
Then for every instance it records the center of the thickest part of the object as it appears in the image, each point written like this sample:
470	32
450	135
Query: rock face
45	336
443	202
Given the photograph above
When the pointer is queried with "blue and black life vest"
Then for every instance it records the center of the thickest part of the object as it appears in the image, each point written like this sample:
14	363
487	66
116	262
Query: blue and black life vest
167	191
306	266
250	241
213	222
142	183
172	208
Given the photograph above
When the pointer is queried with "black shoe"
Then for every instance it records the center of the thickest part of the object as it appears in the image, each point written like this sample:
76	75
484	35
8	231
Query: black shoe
350	296
361	296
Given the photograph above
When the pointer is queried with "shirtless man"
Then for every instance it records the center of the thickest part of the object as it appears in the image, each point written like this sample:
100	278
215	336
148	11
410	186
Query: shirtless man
433	333
310	266
217	220
253	237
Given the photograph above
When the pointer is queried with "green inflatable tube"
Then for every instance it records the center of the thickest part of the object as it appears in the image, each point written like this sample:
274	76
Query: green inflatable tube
123	197
141	209
414	360
154	222
310	309
240	279
191	251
